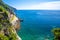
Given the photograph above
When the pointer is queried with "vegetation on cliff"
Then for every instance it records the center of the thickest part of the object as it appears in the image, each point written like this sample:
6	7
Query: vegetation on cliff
7	30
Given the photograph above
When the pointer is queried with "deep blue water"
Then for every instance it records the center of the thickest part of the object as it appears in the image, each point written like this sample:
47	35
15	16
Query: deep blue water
37	24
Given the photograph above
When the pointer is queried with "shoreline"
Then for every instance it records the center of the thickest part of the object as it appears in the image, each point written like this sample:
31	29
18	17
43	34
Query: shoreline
19	38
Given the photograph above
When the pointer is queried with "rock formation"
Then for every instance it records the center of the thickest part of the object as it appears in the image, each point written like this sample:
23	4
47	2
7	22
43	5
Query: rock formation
9	23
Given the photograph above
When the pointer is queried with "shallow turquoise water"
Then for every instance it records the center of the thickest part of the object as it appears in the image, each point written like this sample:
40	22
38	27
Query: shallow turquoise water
37	24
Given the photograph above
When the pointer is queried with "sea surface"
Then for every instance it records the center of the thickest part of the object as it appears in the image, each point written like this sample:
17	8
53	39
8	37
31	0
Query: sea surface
37	24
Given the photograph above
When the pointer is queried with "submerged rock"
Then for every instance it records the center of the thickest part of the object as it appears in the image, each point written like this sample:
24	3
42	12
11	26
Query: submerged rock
9	23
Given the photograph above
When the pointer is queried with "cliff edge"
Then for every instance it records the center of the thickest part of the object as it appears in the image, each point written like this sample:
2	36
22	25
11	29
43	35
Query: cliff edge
9	23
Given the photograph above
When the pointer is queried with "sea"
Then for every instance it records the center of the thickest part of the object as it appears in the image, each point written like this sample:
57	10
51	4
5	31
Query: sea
38	24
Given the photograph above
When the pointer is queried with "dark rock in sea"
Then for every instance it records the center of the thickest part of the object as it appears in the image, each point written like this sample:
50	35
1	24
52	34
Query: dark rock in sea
21	20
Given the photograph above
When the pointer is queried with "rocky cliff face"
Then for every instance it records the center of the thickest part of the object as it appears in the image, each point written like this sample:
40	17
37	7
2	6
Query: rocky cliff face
9	23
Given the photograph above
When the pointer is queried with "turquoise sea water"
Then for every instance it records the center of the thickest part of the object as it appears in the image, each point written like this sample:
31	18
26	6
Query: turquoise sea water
37	24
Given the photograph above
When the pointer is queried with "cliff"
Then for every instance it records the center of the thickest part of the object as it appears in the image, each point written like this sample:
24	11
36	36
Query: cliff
9	23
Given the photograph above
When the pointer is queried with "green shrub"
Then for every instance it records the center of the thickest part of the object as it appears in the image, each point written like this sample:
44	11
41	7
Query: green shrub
56	32
3	37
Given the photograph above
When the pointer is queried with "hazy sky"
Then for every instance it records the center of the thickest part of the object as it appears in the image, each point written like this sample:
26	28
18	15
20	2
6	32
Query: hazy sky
34	4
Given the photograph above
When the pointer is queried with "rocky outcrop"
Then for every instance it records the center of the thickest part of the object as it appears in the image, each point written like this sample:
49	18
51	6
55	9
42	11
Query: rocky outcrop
14	20
9	23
